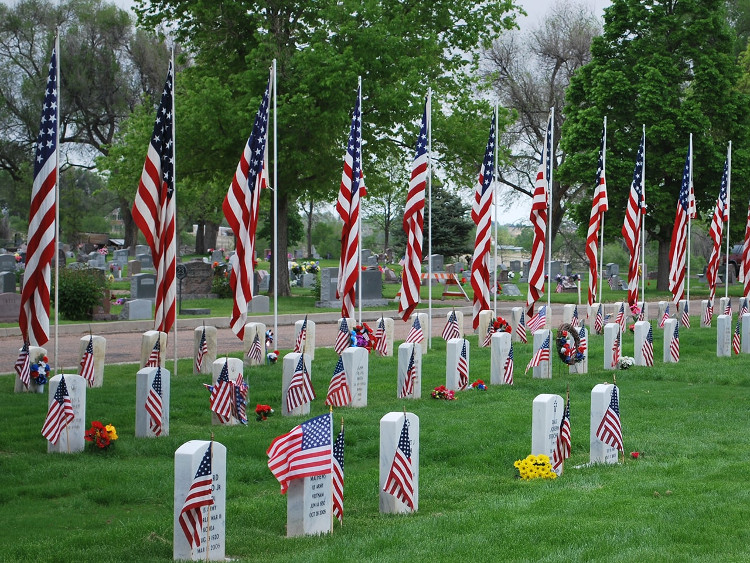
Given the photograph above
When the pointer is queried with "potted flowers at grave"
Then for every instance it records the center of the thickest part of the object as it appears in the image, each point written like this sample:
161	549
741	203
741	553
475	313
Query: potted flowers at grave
39	372
100	436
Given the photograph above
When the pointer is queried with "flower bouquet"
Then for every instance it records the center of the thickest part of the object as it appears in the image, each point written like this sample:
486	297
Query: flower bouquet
479	385
441	392
262	412
100	436
39	372
625	362
535	467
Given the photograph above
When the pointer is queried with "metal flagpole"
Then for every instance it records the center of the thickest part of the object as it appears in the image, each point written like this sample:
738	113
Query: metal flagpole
174	194
729	183
57	193
691	205
359	199
429	217
494	205
601	215
643	221
551	133
275	215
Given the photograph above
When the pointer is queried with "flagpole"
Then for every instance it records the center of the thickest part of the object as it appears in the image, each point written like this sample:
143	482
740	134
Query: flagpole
429	218
729	183
690	213
57	197
601	215
359	214
643	221
174	193
549	210
275	214
494	205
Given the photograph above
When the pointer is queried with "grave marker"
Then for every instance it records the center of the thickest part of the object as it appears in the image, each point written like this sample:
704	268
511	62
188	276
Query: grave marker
591	315
485	318
669	327
424	323
515	318
500	348
546	414
143	384
453	377
7	282
389	325
309	343
404	356
289	367
583	338
147	345
100	351
640	333
723	336
234	369
356	367
308	506
544	369
599	452
459	320
391	427
704	307
211	344
34	353
611	334
10	307
251	330
71	439
745	332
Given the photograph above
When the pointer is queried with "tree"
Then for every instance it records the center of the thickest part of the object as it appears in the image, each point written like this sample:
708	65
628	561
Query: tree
667	65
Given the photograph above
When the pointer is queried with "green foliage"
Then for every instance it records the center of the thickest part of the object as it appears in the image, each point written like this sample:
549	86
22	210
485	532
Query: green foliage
79	292
220	284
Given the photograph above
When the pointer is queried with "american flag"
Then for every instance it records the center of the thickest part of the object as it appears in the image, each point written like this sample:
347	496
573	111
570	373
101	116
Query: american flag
620	318
575	321
539	320
743	306
708	313
241	206
462	367
685	317
23	366
664	317
721	214
599	205
521	329
199	495
299	344
351	189
400	481
381	341
674	345
563	442
240	398
736	338
202	351
488	336
255	352
304	451
648	347
678	244
153	358
746	257
480	214
154	208
616	350
410	377
598	320
610	429
508	367
300	390
451	329
339	394
583	342
87	363
222	394
35	295
541	355
728	308
559	287
631	228
612	281
343	339
337	482
538	217
416	335
413	222
154	404
60	413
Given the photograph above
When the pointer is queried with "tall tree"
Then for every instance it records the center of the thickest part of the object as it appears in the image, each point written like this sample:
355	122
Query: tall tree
668	65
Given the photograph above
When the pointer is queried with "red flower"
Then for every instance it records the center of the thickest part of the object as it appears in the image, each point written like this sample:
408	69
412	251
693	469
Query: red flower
635	455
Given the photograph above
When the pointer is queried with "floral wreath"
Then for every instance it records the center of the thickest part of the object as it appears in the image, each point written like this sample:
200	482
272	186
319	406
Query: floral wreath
362	336
569	354
40	370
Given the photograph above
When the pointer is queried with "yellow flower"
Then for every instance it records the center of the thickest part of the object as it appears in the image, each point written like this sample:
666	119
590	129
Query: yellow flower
112	432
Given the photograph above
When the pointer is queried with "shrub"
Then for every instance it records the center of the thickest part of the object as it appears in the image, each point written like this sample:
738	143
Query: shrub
220	284
79	292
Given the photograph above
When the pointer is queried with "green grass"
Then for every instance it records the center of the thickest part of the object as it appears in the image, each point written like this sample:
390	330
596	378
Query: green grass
686	498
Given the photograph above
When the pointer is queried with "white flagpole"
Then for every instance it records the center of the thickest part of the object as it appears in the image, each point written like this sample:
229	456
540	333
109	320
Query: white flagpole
429	218
494	206
643	220
689	217
729	182
57	193
275	216
174	193
550	164
359	215
601	215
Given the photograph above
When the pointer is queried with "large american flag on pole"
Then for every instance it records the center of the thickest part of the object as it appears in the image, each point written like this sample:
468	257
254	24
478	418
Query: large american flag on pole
60	413
347	207
482	216
678	244
400	480
746	257
414	222
241	206
87	363
538	217
154	207
631	228
610	429
721	214
35	295
199	495
599	206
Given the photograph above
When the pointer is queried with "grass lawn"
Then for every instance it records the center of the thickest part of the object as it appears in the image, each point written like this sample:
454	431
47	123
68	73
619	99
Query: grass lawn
685	498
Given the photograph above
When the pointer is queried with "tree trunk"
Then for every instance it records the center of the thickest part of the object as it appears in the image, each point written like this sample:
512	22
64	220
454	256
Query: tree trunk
285	289
200	238
309	213
662	281
211	231
131	229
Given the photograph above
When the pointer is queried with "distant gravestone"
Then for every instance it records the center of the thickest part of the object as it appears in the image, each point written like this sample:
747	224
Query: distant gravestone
583	365
264	280
7	282
704	306
251	330
144	380
612	269
134	267
438	261
188	459
404	355
7	263
100	350
546	413
525	265
136	310
10	307
259	304
544	369
515	265
356	366
143	286
34	353
145	260
366	253
72	438
500	349
120	256
511	290
142	249
199	278
599	452
290	366
328	281
390	276
611	330
372	261
217	256
723	336
555	269
307	280
210	355
567	269
372	287
391	427
148	340
454	349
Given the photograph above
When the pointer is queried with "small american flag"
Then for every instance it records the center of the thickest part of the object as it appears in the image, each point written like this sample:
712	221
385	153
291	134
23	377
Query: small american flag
648	347
451	329
616	350
199	495
612	281
240	398
339	394
521	329
508	367
708	314
299	345
575	320
610	429
542	355
300	390
342	337
23	367
202	351
60	413
674	345
410	377
664	317
400	481
736	339
153	359
743	306
381	340
599	320
87	363
416	335
563	443
539	320
338	476
304	451
728	308
583	340
463	369
559	287
685	317
154	404
620	318
221	395
488	336
255	352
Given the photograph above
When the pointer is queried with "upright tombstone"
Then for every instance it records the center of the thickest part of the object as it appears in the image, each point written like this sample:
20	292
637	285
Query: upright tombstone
234	369
404	355
680	308
72	438
356	366
640	332
19	387
544	369
643	306
7	282
724	302
389	332
485	318
211	344
704	307
568	311
583	339
189	459
661	310
723	336
500	348
350	324
309	505
289	367
745	332
611	332
459	320
134	267
100	351
515	318
391	428
144	380
424	323
546	414
143	286
669	326
308	346
147	345
616	310
454	347
251	331
599	452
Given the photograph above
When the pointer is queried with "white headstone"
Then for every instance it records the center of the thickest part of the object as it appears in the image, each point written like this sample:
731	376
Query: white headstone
356	366
592	309
704	306
350	324
251	330
211	343
583	338
71	439
660	314
680	309
404	354
500	348
391	426
424	323
308	506
389	332
34	353
289	367
234	368
453	349
547	412
544	369
745	334
568	313
147	345
599	452
187	460
309	343
616	311
724	302
611	330
640	333
143	382
515	318
100	350
724	335
669	326
485	317
459	320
